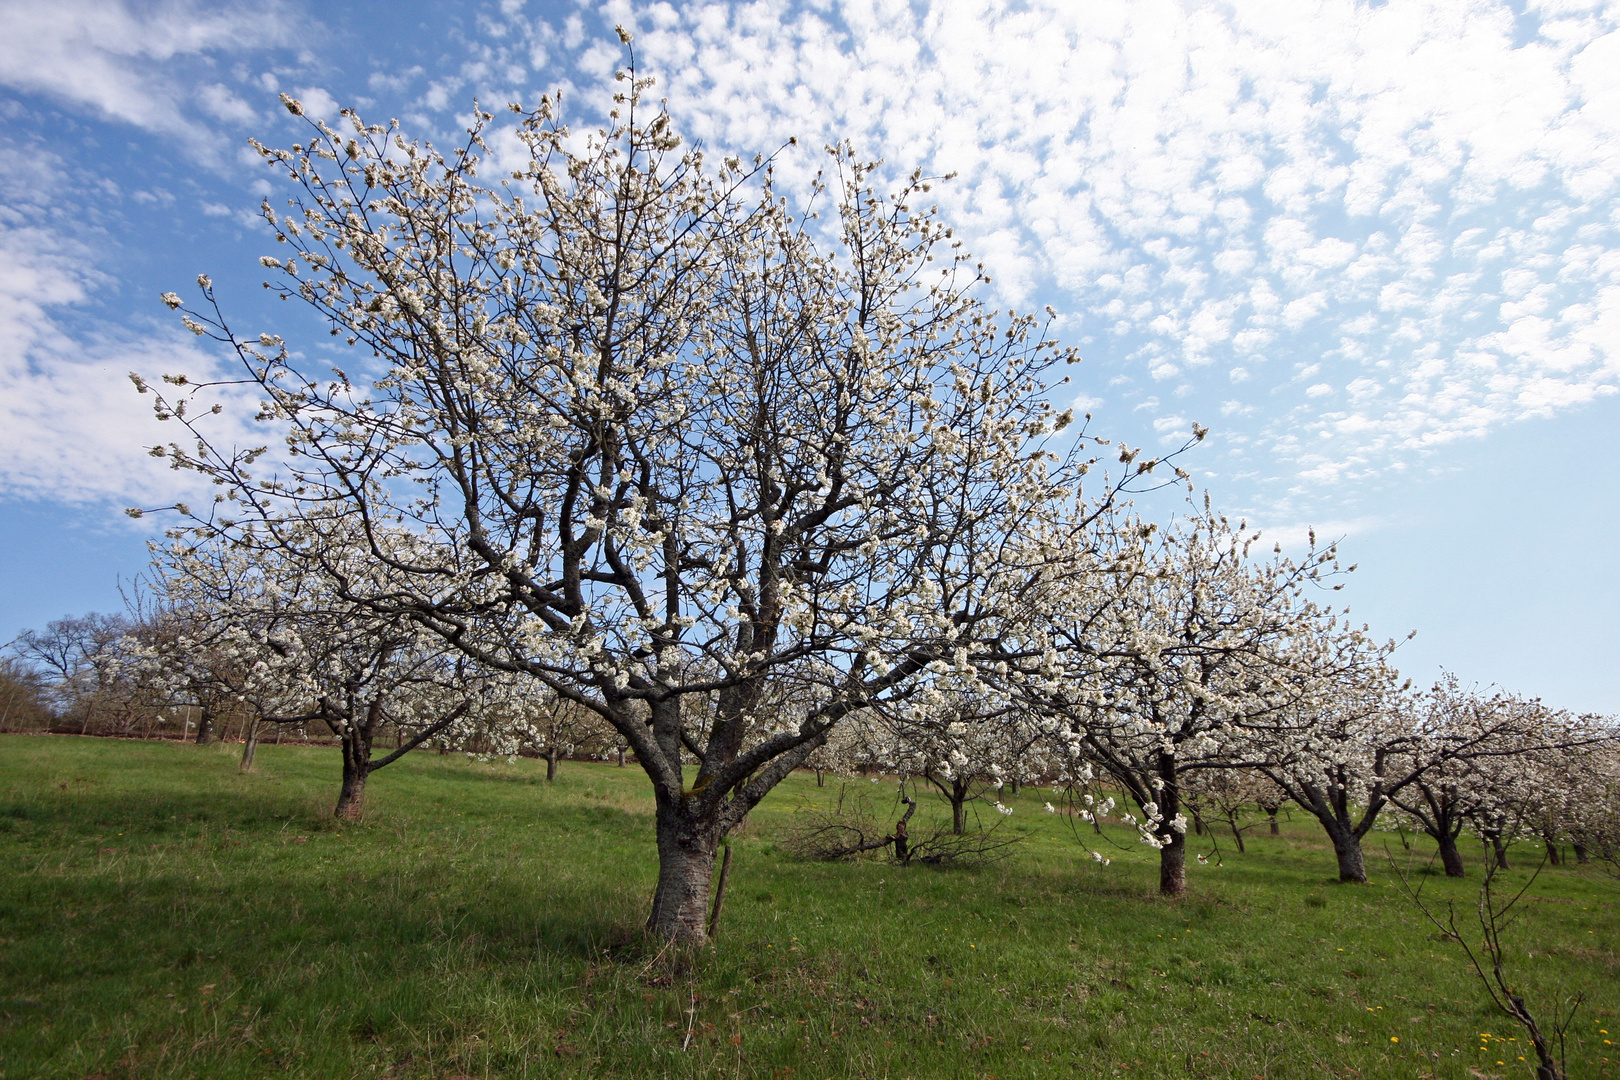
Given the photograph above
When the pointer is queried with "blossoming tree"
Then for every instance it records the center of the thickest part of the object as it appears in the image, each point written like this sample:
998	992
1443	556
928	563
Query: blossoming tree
1174	655
665	442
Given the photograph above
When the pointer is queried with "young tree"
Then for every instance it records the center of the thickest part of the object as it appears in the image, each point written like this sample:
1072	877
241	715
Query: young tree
1227	795
663	439
963	743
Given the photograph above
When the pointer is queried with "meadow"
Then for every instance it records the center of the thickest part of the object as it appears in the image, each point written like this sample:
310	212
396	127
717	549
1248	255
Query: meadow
163	915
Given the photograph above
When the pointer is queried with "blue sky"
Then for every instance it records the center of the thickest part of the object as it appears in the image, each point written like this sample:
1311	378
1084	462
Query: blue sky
1372	246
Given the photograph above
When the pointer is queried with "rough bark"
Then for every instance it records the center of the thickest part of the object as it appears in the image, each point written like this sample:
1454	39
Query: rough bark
1173	866
1582	855
205	727
1499	850
551	765
1554	856
1271	817
1237	835
680	905
1450	857
352	795
1352	863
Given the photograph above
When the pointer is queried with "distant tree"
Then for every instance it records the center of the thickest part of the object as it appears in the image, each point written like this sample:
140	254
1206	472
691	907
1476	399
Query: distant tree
1475	759
1176	654
278	639
1229	796
24	698
80	661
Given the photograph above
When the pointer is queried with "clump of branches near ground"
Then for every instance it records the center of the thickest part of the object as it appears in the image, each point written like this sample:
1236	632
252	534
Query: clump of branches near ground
851	828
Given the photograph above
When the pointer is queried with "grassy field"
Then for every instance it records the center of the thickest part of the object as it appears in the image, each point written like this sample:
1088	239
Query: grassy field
163	916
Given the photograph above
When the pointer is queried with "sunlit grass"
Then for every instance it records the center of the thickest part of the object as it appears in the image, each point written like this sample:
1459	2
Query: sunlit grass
162	915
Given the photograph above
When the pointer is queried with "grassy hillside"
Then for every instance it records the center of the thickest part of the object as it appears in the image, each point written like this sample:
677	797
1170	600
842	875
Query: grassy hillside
163	916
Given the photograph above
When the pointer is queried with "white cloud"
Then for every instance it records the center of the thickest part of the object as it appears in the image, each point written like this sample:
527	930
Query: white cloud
110	56
72	427
1382	190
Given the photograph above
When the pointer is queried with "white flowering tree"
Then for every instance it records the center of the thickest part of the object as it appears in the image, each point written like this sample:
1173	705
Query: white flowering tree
1229	796
1575	799
963	741
278	638
1174	655
665	441
1343	753
1477	759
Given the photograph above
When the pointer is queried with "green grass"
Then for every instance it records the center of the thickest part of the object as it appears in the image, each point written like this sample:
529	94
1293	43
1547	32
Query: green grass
163	916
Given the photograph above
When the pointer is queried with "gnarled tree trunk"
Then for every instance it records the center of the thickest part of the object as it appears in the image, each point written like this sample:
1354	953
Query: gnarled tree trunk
686	851
1450	857
205	726
1352	863
352	794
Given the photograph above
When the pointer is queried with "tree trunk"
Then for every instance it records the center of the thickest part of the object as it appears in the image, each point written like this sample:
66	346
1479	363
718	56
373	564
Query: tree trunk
1173	866
551	765
1271	816
1450	857
1237	834
355	738
1499	849
352	795
1554	856
958	816
621	757
821	778
1582	856
1198	824
685	870
250	744
1352	863
205	727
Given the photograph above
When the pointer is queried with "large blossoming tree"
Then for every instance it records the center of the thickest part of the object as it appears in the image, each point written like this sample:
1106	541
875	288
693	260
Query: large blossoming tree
665	442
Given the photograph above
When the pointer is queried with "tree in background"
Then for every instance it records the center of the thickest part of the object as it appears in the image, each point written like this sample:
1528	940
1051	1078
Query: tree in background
277	638
1174	655
24	699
